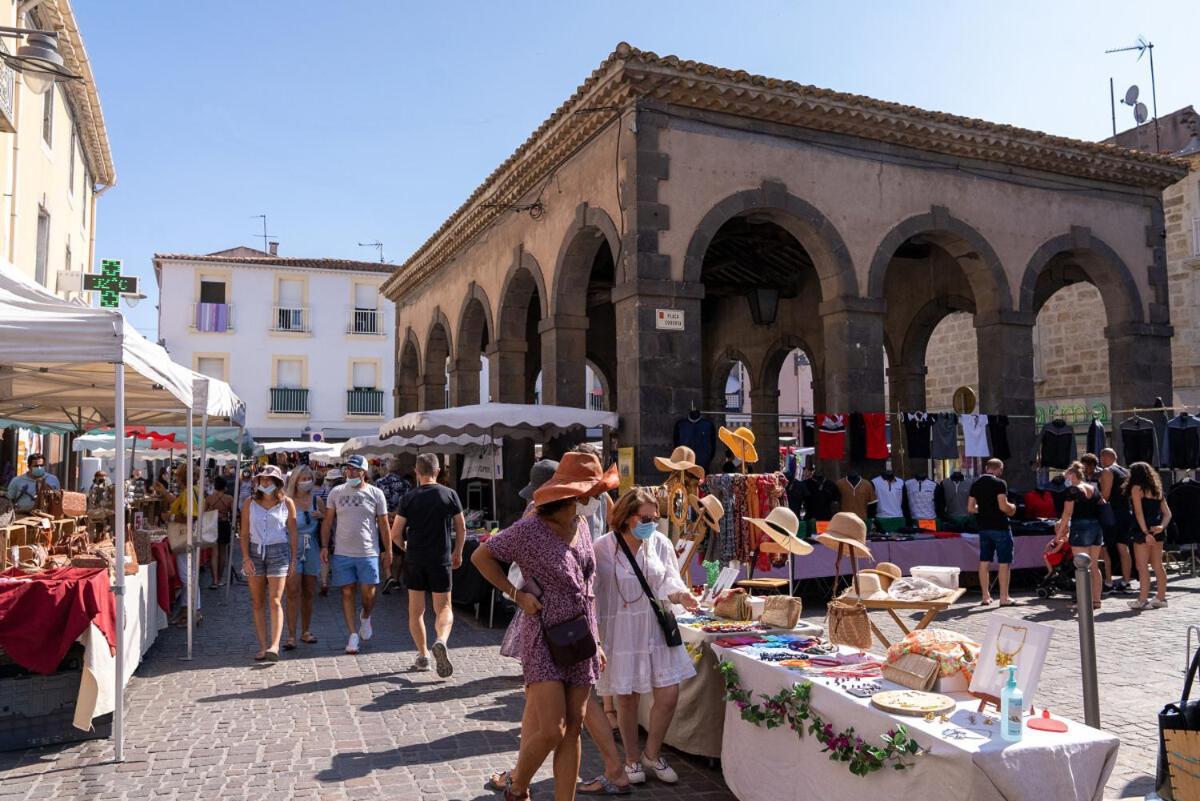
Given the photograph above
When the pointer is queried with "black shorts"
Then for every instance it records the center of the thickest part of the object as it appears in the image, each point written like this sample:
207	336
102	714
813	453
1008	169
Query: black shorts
224	532
1117	534
427	578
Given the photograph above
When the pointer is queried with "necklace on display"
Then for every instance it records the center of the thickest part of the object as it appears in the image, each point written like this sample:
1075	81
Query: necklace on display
1007	658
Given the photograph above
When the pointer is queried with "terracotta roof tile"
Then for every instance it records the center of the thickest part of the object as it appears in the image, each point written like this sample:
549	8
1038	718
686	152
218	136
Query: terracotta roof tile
232	257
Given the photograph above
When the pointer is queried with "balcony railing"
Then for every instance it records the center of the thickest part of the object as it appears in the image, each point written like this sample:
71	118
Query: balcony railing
366	402
733	401
290	319
288	400
214	317
365	321
596	403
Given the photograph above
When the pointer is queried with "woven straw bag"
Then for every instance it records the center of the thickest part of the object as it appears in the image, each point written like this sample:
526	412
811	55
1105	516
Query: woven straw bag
847	622
732	605
914	671
781	611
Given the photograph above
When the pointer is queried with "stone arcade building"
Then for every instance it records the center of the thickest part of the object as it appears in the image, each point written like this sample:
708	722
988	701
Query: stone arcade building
669	184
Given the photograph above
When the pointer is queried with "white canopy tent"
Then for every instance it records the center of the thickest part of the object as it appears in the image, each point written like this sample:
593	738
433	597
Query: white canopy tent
65	363
298	446
442	443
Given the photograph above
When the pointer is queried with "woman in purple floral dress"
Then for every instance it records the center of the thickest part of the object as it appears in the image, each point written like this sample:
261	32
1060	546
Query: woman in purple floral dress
553	548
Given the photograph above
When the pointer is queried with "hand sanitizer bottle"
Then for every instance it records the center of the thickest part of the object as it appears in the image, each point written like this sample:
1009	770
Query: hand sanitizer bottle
1012	707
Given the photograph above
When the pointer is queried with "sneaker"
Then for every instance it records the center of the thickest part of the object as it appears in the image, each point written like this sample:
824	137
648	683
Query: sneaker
662	771
389	585
1139	605
635	774
421	665
1122	586
364	628
1157	604
442	657
352	644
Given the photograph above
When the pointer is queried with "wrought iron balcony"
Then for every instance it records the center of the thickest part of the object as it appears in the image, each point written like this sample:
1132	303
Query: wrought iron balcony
365	321
290	319
366	402
289	400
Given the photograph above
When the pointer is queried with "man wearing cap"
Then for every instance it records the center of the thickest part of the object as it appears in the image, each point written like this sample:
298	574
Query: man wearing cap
359	512
427	518
23	490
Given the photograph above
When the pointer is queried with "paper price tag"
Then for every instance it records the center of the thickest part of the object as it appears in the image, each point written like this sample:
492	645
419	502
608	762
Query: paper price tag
822	526
927	525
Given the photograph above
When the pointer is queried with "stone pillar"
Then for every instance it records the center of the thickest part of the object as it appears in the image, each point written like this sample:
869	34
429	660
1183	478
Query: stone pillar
766	429
432	393
564	357
1139	366
464	382
660	376
853	360
506	376
1005	341
406	398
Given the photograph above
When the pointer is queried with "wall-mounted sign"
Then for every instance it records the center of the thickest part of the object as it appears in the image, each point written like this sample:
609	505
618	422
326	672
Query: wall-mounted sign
668	319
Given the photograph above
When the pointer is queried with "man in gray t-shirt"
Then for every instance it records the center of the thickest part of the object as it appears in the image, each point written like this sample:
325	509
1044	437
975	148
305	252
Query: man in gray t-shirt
359	511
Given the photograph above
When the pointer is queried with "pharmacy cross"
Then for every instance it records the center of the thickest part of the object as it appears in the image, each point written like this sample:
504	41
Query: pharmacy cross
110	283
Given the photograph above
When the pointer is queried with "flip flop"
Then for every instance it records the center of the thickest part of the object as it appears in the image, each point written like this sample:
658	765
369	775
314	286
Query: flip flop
499	781
261	656
272	656
290	645
606	787
308	638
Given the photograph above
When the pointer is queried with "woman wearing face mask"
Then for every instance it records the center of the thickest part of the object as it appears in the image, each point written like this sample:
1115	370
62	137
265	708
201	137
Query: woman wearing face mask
639	659
268	554
1080	522
302	583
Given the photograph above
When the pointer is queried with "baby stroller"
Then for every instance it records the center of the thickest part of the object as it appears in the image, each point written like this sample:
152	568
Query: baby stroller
1061	579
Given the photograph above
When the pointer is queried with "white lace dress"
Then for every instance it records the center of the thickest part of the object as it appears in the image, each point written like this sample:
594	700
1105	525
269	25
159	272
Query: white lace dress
638	657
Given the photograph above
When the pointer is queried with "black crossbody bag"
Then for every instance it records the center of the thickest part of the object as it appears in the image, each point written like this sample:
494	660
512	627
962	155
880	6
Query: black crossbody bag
662	609
571	641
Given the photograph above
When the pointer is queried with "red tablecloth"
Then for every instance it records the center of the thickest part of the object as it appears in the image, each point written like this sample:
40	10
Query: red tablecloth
168	576
43	613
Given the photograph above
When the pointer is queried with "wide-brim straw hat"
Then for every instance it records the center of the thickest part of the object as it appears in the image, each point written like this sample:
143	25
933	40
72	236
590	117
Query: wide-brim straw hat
870	588
783	527
682	458
846	528
887	572
539	474
579	475
709	510
741	441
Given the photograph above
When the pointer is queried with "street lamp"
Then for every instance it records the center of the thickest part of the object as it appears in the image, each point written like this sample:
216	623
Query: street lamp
38	60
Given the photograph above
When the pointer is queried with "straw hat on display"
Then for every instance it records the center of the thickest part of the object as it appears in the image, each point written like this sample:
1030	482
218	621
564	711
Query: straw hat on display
682	458
539	474
709	510
886	571
783	527
870	588
579	475
846	528
741	442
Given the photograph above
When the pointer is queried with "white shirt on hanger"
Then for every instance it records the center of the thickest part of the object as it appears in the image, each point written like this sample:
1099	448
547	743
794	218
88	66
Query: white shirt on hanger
890	496
975	435
921	494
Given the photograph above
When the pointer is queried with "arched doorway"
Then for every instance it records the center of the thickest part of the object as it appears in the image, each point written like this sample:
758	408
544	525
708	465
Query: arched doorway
436	376
468	378
408	375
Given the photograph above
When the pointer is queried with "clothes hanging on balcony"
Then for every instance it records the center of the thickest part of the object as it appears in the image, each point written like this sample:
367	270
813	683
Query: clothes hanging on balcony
212	317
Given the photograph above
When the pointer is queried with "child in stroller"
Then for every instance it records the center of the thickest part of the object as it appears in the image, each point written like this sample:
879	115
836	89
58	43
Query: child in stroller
1060	569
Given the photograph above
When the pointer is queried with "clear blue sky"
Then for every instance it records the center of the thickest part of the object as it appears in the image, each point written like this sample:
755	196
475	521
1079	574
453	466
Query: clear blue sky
355	121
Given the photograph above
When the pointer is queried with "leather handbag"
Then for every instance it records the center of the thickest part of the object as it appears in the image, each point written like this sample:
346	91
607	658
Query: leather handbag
177	536
570	642
49	501
914	671
1173	722
847	622
662	609
732	604
781	611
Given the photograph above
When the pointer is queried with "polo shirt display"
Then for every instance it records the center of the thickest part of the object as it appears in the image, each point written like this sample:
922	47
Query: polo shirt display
856	496
921	493
890	496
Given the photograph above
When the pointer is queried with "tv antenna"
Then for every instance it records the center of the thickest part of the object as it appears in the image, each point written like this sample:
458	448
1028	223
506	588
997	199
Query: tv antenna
1143	47
377	245
265	236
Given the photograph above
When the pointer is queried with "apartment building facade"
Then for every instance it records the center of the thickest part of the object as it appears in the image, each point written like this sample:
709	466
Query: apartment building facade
307	343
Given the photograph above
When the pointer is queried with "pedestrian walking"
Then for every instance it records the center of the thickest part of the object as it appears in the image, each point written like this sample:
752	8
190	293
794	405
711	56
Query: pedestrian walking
989	503
1152	516
640	661
356	516
395	486
222	502
554	551
1116	518
177	512
268	554
302	582
431	531
1080	522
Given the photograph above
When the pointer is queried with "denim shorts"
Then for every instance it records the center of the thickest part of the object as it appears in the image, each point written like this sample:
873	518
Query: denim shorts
346	570
1085	533
271	562
308	560
996	544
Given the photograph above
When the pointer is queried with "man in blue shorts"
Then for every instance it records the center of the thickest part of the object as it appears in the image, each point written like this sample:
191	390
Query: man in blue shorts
359	511
990	504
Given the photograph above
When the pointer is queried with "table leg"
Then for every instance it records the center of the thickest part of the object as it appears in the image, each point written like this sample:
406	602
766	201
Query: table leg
878	633
899	621
927	619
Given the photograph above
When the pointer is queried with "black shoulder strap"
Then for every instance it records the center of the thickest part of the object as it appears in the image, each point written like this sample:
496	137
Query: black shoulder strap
658	612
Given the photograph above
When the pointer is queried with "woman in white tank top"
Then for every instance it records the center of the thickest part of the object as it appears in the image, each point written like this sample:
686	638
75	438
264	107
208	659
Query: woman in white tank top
268	555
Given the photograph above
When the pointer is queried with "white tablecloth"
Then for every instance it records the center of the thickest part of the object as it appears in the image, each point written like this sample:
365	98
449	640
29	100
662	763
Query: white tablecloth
143	620
777	765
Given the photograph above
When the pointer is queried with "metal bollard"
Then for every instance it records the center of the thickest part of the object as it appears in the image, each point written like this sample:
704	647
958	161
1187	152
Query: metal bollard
1087	640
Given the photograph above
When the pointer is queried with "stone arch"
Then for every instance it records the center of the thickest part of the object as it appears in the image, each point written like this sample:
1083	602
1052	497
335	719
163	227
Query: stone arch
776	352
408	373
572	268
912	347
719	373
523	280
972	251
438	347
812	229
1099	264
475	321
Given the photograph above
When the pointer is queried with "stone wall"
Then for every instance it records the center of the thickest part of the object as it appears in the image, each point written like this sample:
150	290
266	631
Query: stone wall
1181	206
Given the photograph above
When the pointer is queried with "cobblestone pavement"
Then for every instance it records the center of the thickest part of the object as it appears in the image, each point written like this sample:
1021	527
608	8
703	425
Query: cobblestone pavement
321	724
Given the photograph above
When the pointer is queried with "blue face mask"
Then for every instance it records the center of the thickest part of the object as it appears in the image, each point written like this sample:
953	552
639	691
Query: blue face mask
644	531
353	482
37	472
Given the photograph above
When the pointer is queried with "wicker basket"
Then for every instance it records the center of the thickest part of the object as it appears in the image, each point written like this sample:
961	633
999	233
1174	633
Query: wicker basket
141	544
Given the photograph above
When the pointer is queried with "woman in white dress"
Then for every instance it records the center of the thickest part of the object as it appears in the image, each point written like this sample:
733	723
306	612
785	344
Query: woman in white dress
639	659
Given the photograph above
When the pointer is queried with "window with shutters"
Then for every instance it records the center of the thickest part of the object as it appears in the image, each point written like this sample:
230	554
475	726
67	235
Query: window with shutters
365	316
43	246
211	366
212	291
291	314
289	395
364	397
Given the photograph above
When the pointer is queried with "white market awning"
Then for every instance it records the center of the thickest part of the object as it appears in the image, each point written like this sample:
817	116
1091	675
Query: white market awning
300	446
442	443
501	420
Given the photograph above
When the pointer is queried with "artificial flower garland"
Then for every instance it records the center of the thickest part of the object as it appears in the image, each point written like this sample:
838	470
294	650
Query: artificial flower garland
791	706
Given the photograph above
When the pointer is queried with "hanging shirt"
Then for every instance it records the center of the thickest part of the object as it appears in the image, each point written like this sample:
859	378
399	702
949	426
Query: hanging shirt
1095	437
1139	442
945	436
921	493
890	496
876	431
856	496
701	436
1040	504
831	437
857	437
975	435
998	434
954	496
1183	442
816	496
1057	445
917	428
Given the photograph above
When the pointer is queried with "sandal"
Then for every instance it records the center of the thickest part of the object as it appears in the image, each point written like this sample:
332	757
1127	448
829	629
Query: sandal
499	781
604	787
509	795
289	644
308	638
261	656
272	656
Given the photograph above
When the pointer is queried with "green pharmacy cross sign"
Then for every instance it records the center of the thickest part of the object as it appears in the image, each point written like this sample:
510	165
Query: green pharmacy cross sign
110	283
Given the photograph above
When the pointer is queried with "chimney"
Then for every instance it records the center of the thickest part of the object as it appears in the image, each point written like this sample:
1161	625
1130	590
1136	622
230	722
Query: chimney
273	247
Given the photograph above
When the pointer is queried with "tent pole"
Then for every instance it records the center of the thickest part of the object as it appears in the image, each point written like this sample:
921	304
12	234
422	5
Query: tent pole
203	500
236	517
191	511
119	588
495	499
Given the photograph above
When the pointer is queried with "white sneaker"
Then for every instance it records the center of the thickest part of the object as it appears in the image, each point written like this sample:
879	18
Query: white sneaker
352	644
662	771
364	628
1157	604
421	665
442	657
635	774
1139	605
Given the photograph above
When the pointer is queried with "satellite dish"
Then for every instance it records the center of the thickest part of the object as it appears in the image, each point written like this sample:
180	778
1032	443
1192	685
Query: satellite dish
1139	113
1131	95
